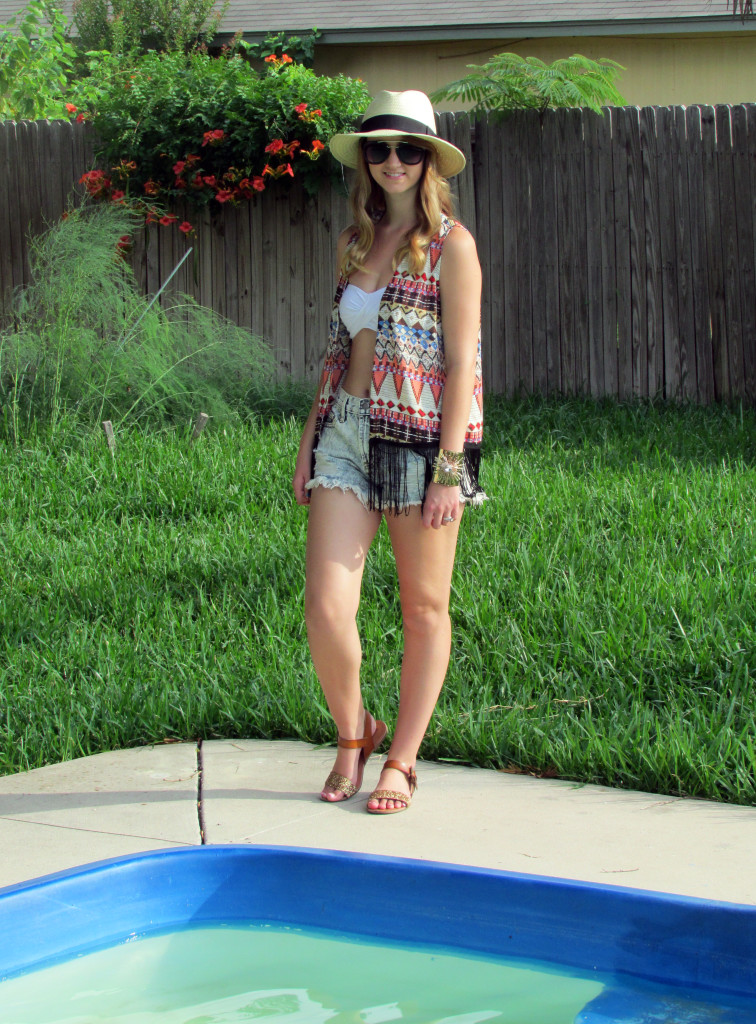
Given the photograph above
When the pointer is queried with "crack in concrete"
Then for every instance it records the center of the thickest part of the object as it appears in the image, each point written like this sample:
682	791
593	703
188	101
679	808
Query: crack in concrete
200	806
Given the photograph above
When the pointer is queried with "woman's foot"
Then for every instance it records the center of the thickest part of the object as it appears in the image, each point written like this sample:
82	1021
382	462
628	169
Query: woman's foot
351	757
395	788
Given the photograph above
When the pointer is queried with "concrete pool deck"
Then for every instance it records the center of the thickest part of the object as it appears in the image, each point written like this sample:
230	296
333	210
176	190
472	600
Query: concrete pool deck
265	792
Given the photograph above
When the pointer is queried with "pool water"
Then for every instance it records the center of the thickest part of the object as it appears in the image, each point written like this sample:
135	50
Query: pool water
229	974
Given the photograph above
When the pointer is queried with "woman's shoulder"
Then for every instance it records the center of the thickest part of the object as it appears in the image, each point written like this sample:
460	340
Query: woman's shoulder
456	238
348	234
346	237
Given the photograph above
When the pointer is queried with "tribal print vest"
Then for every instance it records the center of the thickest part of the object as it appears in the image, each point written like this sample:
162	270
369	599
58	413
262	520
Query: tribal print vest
407	386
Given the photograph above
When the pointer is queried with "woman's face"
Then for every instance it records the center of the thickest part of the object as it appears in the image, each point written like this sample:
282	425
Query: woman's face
393	175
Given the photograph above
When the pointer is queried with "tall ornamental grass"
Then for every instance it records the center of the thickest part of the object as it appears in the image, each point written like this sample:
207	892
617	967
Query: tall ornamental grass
603	598
84	345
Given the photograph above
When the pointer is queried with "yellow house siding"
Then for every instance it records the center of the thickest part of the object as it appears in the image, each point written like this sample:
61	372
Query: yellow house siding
660	70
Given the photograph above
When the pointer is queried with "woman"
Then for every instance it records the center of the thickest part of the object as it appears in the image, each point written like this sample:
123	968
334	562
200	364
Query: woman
404	342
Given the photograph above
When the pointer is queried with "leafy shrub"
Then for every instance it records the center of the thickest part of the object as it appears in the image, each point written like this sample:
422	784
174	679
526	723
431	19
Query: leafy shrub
511	82
121	26
86	346
201	128
37	63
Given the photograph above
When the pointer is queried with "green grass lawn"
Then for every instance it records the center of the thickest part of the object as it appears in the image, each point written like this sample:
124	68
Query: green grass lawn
604	602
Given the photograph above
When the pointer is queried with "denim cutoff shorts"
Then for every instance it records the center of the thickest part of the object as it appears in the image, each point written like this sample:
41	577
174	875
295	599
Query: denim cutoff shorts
341	458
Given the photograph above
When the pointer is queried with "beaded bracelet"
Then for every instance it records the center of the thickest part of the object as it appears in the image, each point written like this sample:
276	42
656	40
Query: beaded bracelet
447	469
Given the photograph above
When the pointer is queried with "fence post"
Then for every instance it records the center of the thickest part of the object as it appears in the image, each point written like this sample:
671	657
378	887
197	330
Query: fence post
107	427
199	426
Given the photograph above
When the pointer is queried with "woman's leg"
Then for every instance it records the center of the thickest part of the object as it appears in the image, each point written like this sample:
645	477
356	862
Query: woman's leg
339	532
424	563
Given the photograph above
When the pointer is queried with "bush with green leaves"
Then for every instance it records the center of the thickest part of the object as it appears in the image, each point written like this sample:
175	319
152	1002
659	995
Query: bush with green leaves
202	128
86	346
301	49
124	26
511	82
37	65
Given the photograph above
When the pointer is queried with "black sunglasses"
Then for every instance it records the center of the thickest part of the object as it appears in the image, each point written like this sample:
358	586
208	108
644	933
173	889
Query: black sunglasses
378	152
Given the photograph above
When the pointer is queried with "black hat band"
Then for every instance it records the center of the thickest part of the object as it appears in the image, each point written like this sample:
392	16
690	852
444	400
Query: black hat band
397	123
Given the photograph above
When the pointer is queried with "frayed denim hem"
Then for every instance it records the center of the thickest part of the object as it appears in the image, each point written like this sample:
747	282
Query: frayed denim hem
332	485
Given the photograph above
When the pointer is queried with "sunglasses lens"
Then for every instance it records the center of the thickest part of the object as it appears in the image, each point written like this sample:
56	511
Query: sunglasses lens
409	154
378	152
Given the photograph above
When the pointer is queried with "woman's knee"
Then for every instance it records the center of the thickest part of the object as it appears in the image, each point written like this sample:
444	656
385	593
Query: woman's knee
425	615
326	613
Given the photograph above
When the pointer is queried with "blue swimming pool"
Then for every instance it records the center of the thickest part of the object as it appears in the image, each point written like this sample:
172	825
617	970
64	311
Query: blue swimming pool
686	954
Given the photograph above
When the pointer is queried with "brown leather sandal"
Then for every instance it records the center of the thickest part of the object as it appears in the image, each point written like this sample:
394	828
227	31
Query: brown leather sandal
374	735
392	794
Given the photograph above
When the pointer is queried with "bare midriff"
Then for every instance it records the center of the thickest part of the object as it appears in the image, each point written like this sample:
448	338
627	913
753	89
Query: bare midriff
359	373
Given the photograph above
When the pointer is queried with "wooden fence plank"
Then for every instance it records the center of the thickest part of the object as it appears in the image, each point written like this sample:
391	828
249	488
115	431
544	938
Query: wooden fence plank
551	198
638	326
684	261
257	257
230	275
701	360
456	128
678	287
592	123
529	170
244	265
217	239
745	185
499	187
313	331
667	178
54	169
153	281
296	284
537	240
622	158
566	253
7	219
27	202
608	261
578	233
269	275
507	199
182	242
322	260
714	266
654	368
730	262
483	240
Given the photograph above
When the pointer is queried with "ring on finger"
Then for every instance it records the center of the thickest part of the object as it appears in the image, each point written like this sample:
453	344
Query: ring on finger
448	519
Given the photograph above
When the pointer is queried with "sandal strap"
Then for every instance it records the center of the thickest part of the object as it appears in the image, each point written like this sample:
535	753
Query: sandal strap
405	769
352	744
390	794
341	783
367	738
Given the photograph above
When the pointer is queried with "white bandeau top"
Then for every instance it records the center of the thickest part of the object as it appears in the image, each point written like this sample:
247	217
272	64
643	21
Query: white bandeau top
359	309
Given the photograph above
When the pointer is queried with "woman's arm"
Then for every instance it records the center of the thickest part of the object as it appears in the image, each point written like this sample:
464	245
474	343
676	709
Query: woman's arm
303	466
460	320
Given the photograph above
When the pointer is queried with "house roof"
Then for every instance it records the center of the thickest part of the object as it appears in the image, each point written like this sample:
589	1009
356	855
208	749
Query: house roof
369	20
351	21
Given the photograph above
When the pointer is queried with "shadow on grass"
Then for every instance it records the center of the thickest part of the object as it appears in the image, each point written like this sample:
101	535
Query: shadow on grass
621	433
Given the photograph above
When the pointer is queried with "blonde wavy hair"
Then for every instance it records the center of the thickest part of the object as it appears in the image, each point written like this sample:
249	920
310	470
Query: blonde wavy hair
433	200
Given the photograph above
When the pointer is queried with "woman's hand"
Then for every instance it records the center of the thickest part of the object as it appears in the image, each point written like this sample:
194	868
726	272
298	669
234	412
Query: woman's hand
442	506
302	474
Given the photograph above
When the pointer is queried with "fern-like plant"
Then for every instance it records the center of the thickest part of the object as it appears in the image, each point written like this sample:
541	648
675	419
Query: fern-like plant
511	82
85	345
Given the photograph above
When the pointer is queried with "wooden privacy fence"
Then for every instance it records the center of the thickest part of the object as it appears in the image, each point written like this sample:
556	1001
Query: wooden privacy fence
618	251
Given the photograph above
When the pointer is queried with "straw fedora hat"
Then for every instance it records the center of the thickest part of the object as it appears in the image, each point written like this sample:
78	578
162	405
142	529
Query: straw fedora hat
395	115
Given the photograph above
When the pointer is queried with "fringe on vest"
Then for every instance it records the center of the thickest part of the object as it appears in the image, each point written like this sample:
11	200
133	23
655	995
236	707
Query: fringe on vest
387	474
